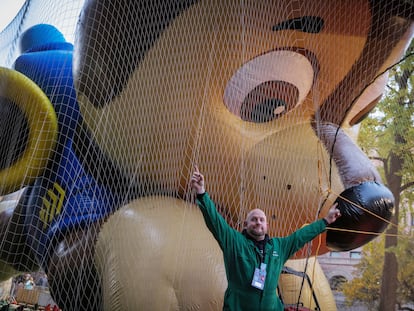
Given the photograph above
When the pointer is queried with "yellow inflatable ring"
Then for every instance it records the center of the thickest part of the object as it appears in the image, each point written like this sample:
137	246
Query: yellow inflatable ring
43	128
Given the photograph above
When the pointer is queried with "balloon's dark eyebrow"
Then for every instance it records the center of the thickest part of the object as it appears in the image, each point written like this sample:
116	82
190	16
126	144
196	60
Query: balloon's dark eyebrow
310	24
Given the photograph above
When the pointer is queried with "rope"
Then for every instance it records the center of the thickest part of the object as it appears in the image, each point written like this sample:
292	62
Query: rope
364	232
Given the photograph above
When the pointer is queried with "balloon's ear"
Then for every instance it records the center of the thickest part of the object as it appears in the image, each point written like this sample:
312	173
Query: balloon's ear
28	127
366	210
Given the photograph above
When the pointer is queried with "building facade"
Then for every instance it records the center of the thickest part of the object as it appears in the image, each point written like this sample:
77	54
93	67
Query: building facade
339	267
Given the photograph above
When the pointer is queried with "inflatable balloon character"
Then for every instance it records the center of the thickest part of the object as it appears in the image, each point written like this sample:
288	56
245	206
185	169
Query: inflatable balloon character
60	196
103	137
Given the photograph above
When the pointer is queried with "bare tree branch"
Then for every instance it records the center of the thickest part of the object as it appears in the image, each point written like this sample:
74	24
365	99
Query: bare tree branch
406	186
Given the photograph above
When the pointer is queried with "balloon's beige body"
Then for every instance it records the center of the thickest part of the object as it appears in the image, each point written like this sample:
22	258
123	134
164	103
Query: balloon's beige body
157	252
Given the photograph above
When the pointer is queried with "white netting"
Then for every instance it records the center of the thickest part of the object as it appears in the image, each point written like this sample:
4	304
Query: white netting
252	92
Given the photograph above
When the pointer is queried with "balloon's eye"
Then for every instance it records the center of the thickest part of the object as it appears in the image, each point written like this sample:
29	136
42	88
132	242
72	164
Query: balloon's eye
269	86
269	101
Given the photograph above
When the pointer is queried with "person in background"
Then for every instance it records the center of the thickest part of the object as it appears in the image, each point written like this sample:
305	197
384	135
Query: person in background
29	283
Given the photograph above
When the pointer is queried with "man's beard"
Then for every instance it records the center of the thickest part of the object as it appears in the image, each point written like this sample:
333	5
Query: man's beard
257	232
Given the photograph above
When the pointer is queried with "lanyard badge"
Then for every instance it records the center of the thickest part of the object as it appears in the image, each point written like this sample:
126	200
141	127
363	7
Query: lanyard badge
259	277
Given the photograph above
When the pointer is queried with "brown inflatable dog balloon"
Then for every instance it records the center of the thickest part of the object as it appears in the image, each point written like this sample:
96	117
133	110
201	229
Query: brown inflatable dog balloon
256	93
261	95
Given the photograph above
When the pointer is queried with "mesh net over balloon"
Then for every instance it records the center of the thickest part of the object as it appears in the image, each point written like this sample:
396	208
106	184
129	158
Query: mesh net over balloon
105	115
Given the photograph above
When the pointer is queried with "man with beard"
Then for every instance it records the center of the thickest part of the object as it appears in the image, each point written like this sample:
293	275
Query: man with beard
252	259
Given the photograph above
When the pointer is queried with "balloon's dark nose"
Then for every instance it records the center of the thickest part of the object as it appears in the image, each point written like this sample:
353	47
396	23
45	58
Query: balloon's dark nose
366	210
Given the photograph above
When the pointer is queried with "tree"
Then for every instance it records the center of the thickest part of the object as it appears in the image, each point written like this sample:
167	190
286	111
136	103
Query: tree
405	255
388	135
365	286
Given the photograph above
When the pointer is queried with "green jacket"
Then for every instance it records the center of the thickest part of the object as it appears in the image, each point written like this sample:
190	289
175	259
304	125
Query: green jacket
241	257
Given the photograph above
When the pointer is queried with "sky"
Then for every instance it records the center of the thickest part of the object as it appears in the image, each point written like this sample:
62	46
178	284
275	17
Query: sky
9	9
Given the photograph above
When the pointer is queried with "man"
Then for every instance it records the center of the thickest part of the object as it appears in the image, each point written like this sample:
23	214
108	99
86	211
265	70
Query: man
253	261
